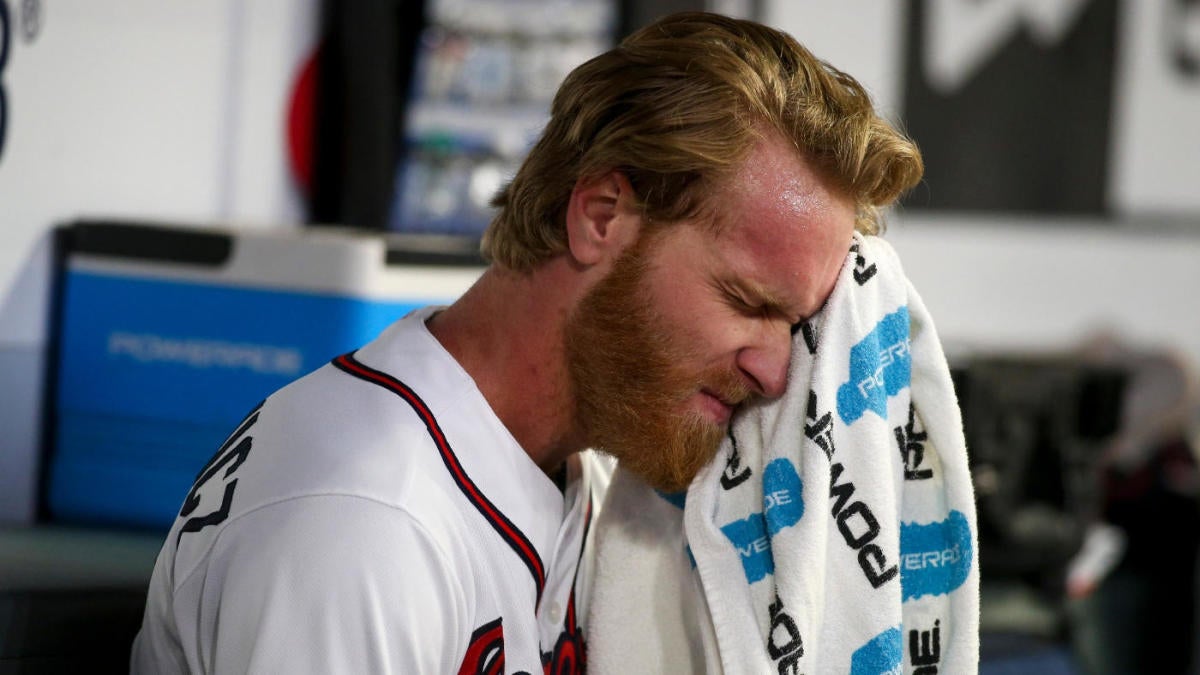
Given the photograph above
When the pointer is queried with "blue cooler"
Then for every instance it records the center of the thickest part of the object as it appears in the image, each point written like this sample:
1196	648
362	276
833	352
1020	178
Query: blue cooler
169	336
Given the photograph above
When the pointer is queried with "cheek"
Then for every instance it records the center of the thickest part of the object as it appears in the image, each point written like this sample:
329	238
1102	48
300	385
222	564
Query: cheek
698	326
705	333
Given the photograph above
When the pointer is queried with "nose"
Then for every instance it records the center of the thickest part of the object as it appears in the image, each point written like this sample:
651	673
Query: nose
765	363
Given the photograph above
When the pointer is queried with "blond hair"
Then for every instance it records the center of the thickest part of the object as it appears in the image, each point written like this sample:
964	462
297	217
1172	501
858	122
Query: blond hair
674	108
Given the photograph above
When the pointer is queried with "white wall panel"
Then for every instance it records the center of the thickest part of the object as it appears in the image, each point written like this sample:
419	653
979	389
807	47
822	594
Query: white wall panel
1022	283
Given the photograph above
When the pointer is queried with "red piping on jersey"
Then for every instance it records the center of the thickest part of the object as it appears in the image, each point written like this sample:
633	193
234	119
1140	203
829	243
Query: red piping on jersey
503	526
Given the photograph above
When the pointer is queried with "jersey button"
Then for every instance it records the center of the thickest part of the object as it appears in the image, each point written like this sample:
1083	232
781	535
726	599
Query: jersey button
555	613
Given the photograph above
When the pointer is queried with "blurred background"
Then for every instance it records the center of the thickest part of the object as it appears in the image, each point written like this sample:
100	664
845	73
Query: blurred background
202	201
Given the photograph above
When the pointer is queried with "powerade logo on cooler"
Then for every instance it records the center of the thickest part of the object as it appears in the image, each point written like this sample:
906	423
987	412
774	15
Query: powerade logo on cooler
880	366
935	558
149	348
883	655
783	494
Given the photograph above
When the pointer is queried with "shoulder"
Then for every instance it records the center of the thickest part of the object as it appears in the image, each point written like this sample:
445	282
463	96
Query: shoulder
330	541
334	582
325	443
330	433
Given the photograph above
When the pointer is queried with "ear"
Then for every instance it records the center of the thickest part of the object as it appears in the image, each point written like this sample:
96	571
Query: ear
602	218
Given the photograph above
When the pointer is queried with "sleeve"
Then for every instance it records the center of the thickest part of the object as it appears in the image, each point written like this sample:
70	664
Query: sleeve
331	584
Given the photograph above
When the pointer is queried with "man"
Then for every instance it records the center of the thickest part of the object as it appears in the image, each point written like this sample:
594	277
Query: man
422	505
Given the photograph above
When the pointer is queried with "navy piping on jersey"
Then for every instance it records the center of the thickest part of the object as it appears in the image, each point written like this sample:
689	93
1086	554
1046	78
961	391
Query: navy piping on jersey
587	525
503	526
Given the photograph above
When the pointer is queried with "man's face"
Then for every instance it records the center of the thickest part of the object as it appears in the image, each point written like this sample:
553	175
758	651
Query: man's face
691	322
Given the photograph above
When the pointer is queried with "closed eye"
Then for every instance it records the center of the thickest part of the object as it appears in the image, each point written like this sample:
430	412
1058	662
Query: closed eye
743	305
753	305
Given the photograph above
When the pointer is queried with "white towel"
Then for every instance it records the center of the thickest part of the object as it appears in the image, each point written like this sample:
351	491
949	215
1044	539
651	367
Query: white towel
835	531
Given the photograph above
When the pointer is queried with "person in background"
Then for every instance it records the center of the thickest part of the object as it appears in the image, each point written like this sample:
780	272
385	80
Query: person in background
1133	585
423	504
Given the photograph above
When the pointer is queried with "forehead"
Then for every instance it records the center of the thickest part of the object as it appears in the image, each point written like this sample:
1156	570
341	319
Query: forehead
783	227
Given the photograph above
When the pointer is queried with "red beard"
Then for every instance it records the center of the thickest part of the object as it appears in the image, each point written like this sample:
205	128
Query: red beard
630	385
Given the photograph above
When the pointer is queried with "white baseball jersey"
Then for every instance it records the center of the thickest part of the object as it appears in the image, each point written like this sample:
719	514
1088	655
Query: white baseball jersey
375	516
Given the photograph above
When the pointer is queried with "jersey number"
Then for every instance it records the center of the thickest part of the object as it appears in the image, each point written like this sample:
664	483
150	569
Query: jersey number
230	457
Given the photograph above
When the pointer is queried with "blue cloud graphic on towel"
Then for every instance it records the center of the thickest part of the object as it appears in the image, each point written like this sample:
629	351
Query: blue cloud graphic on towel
783	501
935	558
880	366
883	655
676	499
